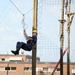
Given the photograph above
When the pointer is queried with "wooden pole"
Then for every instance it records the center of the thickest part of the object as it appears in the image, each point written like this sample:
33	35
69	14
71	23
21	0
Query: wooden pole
35	7
61	37
69	22
68	37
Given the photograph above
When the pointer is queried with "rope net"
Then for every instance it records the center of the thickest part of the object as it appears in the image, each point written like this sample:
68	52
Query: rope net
49	11
54	2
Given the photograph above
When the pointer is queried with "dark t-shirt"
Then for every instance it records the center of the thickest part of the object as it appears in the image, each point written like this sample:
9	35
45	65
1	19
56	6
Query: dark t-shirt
32	42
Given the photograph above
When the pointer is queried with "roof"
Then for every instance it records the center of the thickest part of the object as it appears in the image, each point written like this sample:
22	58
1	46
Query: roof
26	62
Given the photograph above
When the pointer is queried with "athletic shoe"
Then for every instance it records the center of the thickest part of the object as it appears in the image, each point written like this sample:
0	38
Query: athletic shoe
15	52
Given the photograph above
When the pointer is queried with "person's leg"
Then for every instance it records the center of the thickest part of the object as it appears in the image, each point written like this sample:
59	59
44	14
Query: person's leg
18	46
26	47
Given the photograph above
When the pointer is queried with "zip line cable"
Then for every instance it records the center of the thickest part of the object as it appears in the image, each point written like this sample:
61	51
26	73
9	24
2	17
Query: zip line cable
20	10
23	20
16	7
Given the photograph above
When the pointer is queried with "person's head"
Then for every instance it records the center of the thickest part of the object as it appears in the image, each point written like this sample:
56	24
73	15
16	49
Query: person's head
34	32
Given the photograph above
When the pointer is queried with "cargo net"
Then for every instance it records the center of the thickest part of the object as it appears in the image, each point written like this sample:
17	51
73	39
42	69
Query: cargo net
49	12
54	2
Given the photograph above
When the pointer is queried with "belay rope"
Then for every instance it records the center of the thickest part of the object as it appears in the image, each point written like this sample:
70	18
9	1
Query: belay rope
23	23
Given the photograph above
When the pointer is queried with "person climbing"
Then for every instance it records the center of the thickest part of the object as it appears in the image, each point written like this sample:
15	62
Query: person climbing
31	41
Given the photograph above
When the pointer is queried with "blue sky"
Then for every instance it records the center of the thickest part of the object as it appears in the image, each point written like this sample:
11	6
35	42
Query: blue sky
11	31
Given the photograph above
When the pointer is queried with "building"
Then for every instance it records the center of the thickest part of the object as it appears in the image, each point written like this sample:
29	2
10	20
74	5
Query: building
22	65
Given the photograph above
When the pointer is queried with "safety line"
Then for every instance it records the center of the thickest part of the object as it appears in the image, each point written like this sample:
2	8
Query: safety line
16	7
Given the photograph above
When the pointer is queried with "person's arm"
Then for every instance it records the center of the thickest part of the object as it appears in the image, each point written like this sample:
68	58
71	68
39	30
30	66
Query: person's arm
25	34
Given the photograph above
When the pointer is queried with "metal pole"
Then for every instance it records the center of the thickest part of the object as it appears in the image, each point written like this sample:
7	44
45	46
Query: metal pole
61	37
35	7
